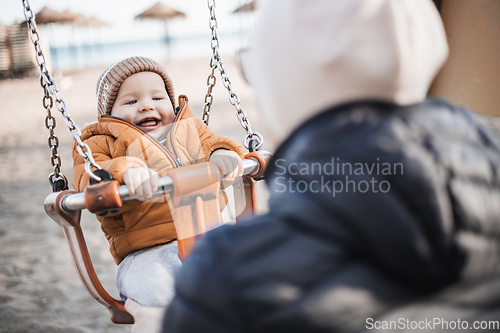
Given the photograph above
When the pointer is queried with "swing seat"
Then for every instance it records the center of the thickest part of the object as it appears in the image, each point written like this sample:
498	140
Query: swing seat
65	208
70	223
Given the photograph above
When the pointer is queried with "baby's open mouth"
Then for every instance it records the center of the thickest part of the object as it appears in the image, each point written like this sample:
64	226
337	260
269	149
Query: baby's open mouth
148	123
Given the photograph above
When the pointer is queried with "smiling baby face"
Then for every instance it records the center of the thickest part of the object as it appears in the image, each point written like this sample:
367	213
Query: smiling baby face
143	100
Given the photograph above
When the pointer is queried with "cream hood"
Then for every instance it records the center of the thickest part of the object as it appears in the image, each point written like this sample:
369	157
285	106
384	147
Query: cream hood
308	55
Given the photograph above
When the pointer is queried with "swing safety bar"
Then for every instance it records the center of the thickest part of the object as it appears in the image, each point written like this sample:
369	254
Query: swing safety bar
251	167
65	208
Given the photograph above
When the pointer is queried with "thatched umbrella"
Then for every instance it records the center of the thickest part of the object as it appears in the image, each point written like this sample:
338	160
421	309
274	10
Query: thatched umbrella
94	22
82	21
246	22
69	16
161	12
248	7
74	20
47	15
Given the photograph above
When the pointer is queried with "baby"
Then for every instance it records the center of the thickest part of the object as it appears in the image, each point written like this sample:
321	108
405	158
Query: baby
140	135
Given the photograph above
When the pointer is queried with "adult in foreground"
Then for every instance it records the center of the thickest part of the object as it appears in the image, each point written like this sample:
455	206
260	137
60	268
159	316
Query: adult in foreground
384	205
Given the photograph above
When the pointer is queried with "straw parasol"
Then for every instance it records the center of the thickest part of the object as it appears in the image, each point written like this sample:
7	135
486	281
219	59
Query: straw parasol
246	21
248	7
47	15
69	16
94	22
161	12
82	21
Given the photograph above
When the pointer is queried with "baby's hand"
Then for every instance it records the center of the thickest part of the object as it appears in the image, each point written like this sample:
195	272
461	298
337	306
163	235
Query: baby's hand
141	182
229	163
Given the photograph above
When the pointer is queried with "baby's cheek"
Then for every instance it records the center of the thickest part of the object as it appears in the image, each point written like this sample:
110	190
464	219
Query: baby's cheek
168	118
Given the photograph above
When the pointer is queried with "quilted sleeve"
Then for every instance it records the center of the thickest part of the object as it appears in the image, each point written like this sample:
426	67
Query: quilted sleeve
211	141
100	151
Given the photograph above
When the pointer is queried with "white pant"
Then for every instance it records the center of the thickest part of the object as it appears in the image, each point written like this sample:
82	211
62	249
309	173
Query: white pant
147	275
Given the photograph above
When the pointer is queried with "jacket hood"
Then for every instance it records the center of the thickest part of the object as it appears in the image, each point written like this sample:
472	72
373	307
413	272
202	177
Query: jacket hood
307	56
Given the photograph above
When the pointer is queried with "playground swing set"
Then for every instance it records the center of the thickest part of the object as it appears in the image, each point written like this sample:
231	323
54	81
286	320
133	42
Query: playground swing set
197	184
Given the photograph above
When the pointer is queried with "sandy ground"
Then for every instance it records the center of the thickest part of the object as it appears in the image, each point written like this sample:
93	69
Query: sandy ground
39	288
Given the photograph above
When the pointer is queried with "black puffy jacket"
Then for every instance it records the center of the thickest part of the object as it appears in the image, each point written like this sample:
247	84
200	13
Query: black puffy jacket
374	207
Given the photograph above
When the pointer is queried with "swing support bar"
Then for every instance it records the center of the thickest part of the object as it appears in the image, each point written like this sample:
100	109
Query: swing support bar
65	208
253	166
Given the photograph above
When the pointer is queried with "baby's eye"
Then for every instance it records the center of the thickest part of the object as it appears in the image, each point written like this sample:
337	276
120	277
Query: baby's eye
157	98
131	102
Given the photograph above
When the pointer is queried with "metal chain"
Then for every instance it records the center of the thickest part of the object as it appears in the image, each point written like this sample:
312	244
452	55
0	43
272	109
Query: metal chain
50	98
217	63
208	97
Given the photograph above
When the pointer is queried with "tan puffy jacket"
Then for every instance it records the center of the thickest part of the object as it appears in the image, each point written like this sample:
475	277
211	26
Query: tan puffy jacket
118	145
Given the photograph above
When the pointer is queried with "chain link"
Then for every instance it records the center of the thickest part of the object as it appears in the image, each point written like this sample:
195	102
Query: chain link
50	98
211	80
217	63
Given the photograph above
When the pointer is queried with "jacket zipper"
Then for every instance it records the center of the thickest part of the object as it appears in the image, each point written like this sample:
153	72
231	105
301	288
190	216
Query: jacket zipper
176	161
126	122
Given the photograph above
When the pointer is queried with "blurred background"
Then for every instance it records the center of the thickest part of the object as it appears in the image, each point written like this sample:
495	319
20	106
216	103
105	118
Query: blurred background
85	34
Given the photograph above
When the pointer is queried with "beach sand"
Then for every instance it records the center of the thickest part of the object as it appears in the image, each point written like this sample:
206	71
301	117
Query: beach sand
39	288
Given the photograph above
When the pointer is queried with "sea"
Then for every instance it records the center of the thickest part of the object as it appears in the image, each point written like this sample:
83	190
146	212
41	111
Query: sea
71	57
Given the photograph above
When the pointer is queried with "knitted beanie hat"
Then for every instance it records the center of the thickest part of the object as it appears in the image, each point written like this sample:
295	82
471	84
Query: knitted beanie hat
110	81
